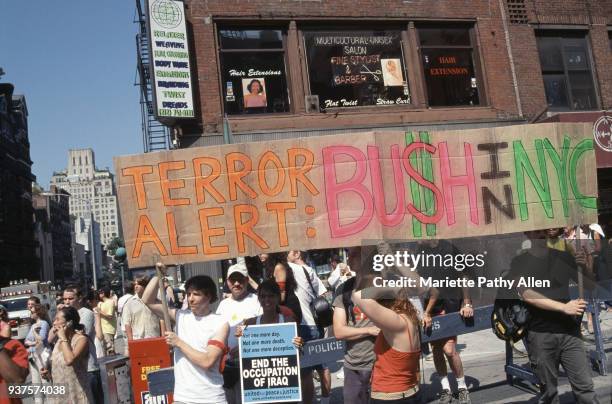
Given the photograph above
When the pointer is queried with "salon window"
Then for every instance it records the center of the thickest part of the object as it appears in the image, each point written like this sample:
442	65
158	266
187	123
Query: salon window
357	68
447	55
253	71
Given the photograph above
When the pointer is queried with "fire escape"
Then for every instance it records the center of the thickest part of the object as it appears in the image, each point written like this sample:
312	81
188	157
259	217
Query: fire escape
155	136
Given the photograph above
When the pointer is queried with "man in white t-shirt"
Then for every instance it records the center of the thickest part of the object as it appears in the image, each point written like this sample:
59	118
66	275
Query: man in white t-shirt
199	341
236	308
129	293
309	288
139	320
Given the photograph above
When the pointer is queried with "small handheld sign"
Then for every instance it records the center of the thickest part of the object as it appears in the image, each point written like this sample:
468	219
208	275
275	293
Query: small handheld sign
269	364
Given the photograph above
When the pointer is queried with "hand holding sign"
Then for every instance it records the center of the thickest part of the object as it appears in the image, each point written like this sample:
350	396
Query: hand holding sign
269	363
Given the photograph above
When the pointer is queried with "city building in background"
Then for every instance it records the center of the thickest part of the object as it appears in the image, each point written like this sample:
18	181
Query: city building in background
265	70
53	231
17	244
90	187
80	263
82	229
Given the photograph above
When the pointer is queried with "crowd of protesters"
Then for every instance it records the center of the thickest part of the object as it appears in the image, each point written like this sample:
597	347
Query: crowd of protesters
381	326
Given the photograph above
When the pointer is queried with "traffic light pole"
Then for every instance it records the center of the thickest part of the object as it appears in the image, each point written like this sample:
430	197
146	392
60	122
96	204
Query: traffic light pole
123	277
91	248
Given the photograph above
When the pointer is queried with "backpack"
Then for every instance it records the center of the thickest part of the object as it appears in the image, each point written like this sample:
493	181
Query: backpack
509	319
510	316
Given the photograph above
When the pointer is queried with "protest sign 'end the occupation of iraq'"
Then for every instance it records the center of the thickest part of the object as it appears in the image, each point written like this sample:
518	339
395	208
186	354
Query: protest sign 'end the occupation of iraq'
269	364
216	202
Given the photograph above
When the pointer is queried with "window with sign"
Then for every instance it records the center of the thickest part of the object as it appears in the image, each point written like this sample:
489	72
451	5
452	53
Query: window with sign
448	65
566	70
356	68
253	71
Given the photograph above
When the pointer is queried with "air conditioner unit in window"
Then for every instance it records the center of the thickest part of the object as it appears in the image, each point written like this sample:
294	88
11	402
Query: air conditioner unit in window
312	104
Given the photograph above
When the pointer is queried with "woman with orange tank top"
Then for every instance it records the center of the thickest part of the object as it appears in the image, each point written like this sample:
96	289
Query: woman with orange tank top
395	375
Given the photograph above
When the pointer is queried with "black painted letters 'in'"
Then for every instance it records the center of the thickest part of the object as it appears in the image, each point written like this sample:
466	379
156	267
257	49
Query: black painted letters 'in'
493	149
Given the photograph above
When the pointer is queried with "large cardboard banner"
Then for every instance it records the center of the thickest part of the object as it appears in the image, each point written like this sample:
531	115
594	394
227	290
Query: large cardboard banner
217	202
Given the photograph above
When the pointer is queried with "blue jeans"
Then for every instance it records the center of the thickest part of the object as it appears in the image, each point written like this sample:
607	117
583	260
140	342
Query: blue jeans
95	384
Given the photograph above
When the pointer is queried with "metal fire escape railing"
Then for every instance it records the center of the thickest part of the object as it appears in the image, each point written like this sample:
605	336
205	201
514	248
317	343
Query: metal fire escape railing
155	136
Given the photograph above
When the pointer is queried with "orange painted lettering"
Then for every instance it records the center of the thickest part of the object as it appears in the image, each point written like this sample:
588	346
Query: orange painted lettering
246	228
147	234
270	157
137	173
175	248
281	222
167	185
205	183
299	173
208	232
234	175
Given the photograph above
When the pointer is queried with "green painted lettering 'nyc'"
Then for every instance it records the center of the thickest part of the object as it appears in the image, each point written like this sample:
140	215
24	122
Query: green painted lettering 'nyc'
565	163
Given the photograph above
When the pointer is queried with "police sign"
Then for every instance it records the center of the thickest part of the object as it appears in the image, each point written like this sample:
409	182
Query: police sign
321	351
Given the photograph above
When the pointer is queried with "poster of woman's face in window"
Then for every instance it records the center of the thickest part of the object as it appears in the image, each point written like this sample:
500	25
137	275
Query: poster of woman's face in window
254	90
392	72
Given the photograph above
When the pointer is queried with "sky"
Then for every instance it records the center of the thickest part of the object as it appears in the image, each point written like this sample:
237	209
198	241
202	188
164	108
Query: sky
75	62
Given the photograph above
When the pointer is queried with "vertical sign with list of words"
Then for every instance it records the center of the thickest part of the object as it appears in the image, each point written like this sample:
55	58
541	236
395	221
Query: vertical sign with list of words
171	72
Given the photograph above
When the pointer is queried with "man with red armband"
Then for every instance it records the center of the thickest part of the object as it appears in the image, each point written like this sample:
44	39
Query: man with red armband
199	342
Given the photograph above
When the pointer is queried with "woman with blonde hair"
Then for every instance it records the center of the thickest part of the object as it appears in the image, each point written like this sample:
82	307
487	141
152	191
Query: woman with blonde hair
395	374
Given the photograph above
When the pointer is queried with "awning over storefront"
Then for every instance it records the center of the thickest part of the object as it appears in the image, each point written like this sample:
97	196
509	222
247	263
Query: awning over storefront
602	124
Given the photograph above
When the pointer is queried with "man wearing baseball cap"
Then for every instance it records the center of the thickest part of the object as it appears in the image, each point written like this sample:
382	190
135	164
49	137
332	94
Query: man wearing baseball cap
235	309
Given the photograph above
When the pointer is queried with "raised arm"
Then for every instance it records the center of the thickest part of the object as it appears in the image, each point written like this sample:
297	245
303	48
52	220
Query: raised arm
80	348
98	324
334	277
253	283
382	317
345	332
149	297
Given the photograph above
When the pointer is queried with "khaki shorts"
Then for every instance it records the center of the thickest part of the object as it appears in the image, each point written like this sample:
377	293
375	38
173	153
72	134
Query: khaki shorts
109	344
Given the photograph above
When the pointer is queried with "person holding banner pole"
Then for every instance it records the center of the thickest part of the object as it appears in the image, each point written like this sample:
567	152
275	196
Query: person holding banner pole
199	341
553	336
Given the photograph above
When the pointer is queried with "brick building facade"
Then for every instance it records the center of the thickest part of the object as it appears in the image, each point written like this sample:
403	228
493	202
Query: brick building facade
463	64
275	69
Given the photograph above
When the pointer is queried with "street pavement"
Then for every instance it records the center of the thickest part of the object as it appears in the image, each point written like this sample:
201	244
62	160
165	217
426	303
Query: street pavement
483	356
